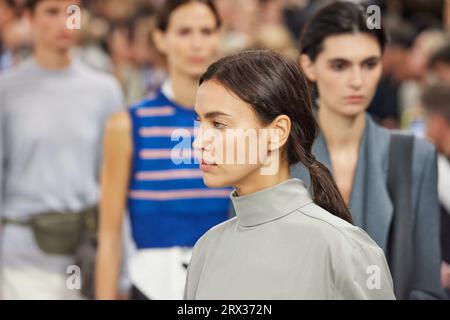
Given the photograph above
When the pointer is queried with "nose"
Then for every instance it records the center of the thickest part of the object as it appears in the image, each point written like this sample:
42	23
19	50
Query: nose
197	144
197	40
357	78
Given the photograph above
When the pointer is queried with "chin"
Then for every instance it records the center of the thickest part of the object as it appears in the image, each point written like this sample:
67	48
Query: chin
196	72
353	110
64	46
214	181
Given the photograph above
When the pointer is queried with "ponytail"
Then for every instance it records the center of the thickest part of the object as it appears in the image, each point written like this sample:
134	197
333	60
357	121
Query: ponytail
325	191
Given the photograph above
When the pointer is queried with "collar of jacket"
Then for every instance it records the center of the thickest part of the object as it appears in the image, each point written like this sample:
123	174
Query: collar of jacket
270	204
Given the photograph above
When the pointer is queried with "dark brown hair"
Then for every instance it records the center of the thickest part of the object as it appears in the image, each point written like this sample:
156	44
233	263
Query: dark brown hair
340	17
436	99
165	11
274	86
441	56
31	4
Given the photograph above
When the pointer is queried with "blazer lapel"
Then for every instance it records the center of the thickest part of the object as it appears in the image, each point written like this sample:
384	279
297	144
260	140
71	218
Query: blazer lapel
378	208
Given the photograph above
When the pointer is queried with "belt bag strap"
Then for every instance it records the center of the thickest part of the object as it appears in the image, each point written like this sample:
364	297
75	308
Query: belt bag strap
25	223
59	232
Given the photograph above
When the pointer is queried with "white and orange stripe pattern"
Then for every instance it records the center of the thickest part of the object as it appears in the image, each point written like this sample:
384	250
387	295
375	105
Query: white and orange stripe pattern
163	111
179	194
152	132
169	174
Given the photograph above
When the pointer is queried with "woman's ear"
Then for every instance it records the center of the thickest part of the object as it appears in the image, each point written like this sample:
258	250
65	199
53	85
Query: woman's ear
279	132
160	41
307	67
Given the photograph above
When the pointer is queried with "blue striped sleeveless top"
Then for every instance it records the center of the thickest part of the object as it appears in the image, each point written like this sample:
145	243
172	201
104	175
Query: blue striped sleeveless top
168	202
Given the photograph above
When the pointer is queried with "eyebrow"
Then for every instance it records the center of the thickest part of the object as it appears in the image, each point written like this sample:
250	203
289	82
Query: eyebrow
214	114
348	61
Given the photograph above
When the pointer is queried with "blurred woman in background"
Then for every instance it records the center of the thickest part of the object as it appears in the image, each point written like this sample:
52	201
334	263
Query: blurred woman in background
53	112
149	171
341	55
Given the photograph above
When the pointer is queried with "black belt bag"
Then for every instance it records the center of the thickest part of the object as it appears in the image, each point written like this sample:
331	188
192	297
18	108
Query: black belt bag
60	232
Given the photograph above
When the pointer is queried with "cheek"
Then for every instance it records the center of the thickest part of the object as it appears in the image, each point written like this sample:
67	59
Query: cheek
330	84
212	45
176	48
236	152
43	29
241	155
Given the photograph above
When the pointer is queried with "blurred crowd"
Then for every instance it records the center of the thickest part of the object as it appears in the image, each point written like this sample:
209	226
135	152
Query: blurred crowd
116	38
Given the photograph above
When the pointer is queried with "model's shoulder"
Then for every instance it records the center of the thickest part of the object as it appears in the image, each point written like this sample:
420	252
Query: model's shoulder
334	230
217	232
377	131
118	125
423	148
100	78
423	153
155	101
15	75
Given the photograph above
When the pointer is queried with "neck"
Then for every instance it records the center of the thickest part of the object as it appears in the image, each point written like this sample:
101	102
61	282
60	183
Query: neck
184	88
257	182
52	59
341	131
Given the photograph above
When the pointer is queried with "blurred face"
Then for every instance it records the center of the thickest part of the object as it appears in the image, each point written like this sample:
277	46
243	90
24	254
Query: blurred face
442	72
232	145
49	24
6	14
346	72
119	45
191	40
438	132
417	59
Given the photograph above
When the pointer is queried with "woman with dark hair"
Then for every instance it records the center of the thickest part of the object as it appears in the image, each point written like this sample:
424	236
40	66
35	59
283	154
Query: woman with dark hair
53	112
283	243
148	168
387	179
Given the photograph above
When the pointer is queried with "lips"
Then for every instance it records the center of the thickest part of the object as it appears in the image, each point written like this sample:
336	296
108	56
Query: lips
205	162
64	36
355	99
197	60
206	166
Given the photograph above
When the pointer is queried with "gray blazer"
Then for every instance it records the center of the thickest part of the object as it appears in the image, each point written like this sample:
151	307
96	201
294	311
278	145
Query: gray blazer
372	208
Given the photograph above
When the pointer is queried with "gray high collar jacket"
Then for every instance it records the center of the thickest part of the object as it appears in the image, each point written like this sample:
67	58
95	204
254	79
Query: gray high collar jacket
281	245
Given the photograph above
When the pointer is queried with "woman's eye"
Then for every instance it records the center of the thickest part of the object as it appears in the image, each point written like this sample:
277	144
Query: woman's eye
207	31
338	67
52	12
218	125
184	31
372	65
